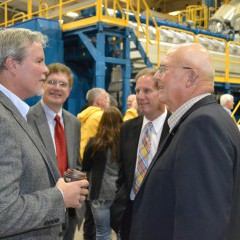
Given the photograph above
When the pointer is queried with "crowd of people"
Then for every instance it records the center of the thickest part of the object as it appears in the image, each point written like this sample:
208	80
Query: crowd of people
168	169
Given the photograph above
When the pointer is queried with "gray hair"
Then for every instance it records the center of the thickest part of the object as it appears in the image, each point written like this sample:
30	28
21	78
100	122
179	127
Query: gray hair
93	94
225	98
15	41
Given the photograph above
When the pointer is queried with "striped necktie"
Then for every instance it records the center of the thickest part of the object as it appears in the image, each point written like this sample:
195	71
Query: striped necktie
143	155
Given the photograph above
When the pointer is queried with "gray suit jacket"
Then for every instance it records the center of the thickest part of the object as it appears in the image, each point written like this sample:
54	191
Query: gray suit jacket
37	119
30	206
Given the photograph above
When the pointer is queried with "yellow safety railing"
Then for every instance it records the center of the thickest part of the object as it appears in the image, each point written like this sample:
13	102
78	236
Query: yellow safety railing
230	61
234	112
197	14
59	11
145	28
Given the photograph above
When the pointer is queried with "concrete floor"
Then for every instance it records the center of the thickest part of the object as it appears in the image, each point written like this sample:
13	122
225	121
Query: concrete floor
79	235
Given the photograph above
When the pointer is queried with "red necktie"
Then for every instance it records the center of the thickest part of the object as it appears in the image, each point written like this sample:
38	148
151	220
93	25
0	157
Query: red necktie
61	146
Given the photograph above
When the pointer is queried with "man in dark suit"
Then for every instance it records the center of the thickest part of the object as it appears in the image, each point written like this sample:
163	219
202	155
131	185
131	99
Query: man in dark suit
192	188
32	197
130	140
56	89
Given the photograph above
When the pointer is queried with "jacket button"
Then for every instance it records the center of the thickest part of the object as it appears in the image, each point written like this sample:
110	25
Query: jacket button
60	234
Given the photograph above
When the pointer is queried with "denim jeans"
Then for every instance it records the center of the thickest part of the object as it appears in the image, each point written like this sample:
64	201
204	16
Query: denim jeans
101	215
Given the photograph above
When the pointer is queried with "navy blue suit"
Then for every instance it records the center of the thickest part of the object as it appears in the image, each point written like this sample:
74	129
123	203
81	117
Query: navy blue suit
192	188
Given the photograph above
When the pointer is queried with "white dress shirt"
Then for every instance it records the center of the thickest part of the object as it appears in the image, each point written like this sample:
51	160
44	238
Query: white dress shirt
19	103
156	134
50	115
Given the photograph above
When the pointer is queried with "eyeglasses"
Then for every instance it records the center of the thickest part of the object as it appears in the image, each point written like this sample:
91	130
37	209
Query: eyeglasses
163	68
54	83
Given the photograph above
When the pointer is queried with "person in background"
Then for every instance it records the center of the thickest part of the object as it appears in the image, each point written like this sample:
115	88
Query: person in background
42	117
132	132
132	110
33	196
112	101
227	101
98	100
131	98
191	189
101	161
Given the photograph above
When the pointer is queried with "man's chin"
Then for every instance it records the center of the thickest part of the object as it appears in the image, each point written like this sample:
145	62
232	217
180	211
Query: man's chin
39	92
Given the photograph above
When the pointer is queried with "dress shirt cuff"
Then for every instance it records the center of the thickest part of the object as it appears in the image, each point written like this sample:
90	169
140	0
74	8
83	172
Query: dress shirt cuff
62	195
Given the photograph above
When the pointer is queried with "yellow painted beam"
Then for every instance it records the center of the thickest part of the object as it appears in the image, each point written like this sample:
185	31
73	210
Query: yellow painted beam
79	23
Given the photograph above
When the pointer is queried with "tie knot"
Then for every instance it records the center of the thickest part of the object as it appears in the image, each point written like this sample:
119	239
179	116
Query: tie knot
149	126
57	118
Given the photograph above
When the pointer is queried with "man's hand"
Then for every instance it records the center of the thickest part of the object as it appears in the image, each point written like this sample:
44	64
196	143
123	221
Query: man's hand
74	193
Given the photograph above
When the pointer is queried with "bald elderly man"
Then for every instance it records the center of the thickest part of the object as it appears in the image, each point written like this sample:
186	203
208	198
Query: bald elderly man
191	190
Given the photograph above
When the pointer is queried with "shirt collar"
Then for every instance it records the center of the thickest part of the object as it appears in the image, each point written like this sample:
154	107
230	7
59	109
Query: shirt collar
49	112
22	107
175	117
157	122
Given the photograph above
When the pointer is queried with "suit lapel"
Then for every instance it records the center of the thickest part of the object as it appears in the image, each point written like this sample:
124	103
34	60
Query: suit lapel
205	101
165	129
44	131
36	141
69	133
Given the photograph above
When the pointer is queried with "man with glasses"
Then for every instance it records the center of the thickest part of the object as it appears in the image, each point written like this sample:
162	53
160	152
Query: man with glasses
42	117
191	190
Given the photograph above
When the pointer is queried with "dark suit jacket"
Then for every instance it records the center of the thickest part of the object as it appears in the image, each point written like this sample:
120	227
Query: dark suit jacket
129	138
37	119
192	188
30	206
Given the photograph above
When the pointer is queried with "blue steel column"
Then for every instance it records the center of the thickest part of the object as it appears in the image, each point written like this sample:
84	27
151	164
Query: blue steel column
126	70
100	66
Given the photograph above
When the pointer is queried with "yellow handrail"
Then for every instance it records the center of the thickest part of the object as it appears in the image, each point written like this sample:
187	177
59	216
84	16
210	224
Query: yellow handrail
18	16
234	111
197	14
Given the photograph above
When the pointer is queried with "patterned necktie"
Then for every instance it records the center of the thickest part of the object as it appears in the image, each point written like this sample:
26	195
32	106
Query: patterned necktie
143	155
61	146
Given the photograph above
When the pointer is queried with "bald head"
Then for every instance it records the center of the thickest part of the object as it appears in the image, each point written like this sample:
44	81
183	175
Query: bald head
195	56
185	72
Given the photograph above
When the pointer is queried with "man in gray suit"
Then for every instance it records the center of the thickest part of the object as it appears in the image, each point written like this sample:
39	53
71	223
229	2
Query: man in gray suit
56	90
32	197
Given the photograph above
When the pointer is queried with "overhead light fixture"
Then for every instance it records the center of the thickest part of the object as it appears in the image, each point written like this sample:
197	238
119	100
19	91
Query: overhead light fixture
72	14
175	13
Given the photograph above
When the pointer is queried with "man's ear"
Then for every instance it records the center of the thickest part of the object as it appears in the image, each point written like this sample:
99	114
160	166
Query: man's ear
11	65
192	77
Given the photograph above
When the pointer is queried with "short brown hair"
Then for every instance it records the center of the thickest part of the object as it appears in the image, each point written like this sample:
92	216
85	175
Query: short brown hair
57	68
147	72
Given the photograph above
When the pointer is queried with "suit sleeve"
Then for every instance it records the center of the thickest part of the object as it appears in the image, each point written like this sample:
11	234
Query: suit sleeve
203	177
21	209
